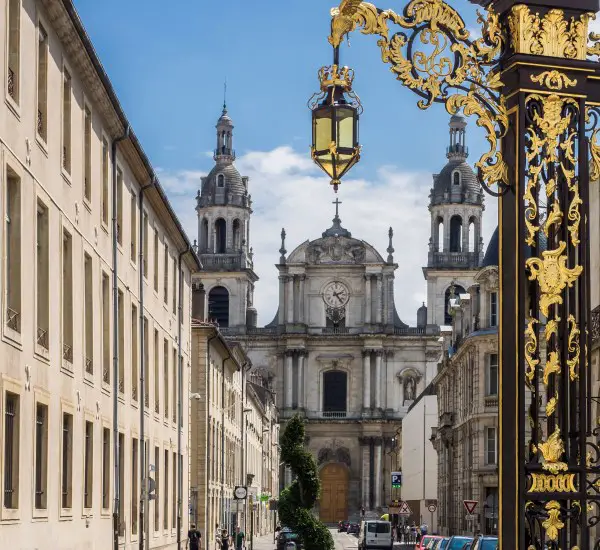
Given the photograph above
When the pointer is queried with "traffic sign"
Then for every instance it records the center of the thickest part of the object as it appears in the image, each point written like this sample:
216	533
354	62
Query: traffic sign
470	506
432	508
404	509
396	480
470	517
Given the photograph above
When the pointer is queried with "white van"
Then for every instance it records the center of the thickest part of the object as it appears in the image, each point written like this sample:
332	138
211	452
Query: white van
375	534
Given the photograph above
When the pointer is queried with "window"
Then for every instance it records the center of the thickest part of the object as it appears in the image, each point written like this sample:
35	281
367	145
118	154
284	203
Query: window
220	180
493	309
89	313
41	456
66	122
14	49
67	461
134	352
11	450
13	250
105	468
67	296
492	374
133	207
174	499
134	486
43	267
166	276
220	230
88	465
175	375
146	364
490	446
174	286
145	246
156	372
120	207
156	488
105	328
334	393
87	155
166	375
121	329
104	181
156	260
166	493
456	178
42	83
121	485
218	305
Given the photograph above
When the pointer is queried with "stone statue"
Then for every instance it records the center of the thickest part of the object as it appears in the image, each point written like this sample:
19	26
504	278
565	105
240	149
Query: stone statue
409	389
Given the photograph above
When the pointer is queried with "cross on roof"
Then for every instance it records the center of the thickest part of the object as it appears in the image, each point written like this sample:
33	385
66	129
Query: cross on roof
337	203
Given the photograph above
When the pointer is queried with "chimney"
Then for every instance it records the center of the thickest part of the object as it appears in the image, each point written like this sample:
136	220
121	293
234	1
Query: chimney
198	301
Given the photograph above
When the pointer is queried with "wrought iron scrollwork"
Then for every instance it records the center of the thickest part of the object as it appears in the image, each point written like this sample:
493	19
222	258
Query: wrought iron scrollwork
434	56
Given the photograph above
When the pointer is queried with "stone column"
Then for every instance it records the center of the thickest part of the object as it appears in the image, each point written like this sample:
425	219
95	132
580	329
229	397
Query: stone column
281	316
378	470
368	306
366	379
379	302
301	300
290	299
364	442
301	356
288	378
378	355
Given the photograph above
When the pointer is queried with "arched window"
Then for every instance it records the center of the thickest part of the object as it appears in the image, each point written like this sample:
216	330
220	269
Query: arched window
204	235
456	178
449	295
220	236
440	235
237	235
220	180
472	235
218	305
456	234
335	391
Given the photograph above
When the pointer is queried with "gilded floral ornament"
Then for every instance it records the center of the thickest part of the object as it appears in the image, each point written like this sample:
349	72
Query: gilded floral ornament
553	80
531	349
552	451
573	346
552	275
595	156
553	524
552	366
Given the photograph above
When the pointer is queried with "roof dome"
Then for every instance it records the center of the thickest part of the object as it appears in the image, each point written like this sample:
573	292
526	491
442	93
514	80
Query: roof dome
231	181
456	183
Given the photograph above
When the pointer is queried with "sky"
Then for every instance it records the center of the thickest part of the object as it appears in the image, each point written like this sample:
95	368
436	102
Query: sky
168	62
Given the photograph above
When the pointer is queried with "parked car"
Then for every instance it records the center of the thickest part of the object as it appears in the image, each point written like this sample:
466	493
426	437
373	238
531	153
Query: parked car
353	529
443	545
484	542
375	534
343	526
287	535
430	542
458	542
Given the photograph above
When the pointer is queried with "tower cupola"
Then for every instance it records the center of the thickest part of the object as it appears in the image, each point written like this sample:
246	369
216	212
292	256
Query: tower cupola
224	153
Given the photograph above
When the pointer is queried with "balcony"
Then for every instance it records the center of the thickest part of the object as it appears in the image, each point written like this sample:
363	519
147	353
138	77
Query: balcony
454	259
225	262
336	330
490	401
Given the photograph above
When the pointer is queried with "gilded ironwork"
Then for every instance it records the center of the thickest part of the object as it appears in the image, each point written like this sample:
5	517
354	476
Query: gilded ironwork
553	524
560	483
554	80
552	450
551	34
531	350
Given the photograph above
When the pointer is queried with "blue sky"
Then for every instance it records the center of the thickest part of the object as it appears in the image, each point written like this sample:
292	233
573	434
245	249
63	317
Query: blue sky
168	63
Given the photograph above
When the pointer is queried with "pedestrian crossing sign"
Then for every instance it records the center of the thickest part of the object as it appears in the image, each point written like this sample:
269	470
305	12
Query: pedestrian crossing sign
405	509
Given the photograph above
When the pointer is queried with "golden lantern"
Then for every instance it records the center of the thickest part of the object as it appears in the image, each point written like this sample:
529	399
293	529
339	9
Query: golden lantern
335	112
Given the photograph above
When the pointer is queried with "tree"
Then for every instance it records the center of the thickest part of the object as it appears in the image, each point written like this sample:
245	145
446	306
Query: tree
297	500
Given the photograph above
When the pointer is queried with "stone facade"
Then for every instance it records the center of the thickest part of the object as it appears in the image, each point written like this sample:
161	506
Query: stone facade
466	436
66	458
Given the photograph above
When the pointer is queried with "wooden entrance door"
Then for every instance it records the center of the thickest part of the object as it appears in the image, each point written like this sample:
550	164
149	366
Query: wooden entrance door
333	506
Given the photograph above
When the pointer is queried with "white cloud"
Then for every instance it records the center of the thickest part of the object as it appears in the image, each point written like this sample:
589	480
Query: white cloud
289	191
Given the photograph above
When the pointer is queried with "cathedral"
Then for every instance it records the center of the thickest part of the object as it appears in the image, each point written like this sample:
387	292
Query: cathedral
336	351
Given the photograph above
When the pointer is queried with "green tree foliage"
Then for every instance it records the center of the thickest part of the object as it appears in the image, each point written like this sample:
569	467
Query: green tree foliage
297	500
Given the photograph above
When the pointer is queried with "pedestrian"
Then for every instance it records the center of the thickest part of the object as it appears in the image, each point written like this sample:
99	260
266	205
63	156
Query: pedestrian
240	538
194	538
224	540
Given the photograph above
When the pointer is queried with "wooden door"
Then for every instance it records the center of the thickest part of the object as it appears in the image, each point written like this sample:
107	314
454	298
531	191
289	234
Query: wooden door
333	506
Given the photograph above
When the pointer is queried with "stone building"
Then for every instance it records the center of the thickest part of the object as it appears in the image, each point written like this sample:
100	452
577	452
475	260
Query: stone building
95	318
466	436
233	436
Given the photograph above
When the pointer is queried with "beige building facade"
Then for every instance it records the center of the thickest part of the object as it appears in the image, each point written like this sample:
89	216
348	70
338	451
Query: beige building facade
233	437
95	291
466	435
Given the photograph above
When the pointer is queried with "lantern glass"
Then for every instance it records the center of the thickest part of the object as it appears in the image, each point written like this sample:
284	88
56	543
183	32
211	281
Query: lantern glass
345	127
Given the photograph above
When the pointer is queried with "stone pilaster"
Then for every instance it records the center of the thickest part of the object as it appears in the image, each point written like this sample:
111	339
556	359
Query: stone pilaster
366	379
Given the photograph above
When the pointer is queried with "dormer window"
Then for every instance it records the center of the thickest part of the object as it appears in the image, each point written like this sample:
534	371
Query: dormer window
456	178
220	180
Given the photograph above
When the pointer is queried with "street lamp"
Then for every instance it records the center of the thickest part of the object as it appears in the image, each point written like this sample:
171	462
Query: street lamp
335	112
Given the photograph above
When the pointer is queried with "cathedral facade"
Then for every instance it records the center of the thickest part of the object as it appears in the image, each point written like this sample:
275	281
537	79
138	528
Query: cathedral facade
336	352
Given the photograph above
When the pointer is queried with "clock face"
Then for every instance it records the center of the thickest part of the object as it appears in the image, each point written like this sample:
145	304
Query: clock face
336	294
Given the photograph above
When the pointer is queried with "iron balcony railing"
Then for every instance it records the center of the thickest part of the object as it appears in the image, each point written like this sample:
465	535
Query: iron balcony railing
42	338
89	366
106	374
13	319
12	92
68	353
454	259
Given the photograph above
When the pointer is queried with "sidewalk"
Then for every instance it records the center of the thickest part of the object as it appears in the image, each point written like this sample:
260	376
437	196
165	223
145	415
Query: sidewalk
264	542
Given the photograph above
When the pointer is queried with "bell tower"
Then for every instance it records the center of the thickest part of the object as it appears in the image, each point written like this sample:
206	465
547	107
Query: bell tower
456	244
224	209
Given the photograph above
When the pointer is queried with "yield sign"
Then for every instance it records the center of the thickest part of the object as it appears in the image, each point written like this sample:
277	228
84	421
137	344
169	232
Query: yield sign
470	505
404	509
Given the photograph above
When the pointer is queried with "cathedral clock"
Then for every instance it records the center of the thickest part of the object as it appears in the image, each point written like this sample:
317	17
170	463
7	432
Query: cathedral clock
336	295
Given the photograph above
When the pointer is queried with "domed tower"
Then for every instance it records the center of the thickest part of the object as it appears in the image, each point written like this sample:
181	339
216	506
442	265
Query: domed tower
224	209
456	244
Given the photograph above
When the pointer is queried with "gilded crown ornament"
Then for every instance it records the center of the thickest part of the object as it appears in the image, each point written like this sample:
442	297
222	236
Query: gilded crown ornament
336	76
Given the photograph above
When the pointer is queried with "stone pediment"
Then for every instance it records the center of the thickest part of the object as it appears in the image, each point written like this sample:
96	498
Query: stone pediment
336	250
